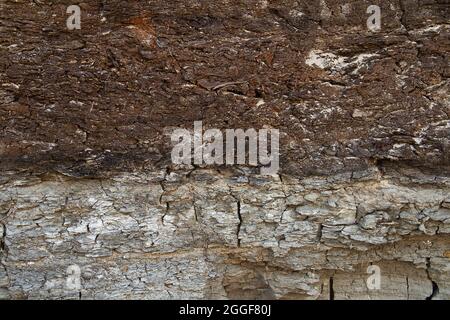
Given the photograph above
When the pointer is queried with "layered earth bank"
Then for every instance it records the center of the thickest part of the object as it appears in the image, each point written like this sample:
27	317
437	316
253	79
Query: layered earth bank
87	180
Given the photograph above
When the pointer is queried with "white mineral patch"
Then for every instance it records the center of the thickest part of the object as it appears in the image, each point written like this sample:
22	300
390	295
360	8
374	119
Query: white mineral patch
436	28
324	60
260	102
331	61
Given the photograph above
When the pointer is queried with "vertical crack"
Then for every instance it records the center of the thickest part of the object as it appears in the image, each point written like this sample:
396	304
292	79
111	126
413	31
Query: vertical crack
331	289
165	213
161	202
240	223
435	290
3	254
319	233
195	211
407	288
3	248
2	238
